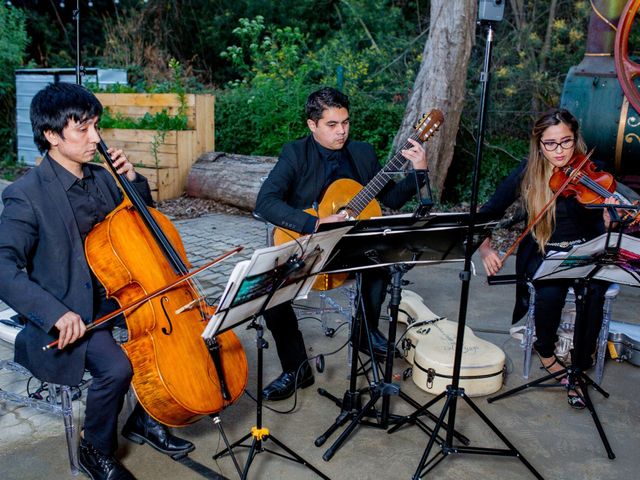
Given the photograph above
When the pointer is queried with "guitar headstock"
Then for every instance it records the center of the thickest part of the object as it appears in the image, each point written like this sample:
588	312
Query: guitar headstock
428	124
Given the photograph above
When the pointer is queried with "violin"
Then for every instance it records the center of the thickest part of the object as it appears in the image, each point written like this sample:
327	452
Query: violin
587	184
578	178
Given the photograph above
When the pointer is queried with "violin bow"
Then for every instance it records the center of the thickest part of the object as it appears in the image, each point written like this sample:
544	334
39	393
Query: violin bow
160	291
546	207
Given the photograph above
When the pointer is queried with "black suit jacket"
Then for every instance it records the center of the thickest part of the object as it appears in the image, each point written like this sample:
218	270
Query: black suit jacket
296	182
43	270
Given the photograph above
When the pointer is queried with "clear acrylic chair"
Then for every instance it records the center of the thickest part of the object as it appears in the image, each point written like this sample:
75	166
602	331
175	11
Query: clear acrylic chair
566	325
56	399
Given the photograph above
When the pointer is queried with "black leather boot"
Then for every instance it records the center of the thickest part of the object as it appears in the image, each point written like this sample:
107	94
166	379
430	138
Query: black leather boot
378	341
285	385
98	466
141	428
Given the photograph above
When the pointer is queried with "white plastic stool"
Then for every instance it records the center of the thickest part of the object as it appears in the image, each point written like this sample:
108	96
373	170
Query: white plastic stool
530	329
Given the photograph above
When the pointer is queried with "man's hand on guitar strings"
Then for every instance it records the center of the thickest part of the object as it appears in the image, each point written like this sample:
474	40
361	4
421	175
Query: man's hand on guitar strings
341	216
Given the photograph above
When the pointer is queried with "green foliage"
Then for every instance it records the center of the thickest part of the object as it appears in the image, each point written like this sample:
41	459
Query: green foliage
10	167
13	43
159	121
262	58
260	111
530	63
527	76
375	120
501	154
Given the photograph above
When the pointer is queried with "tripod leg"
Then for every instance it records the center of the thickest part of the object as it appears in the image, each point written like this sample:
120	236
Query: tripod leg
412	418
432	439
593	384
587	400
350	428
340	421
237	443
323	393
536	383
432	417
256	446
297	457
218	423
504	439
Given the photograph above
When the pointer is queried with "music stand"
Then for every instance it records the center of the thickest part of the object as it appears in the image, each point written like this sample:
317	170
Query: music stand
454	391
611	257
274	275
397	242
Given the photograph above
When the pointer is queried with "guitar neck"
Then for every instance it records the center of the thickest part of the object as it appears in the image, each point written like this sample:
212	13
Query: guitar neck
377	183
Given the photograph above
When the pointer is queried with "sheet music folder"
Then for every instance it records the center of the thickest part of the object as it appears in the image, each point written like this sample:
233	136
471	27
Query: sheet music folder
279	273
392	239
613	259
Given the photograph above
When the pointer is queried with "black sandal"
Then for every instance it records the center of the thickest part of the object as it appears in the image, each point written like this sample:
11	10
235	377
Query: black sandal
575	401
560	379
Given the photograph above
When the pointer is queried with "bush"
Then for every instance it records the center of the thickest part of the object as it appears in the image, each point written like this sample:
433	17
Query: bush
13	44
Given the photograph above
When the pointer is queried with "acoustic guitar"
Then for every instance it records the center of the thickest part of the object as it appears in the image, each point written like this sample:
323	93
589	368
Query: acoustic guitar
348	195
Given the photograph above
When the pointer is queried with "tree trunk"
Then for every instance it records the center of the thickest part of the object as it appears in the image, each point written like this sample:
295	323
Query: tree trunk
231	179
441	82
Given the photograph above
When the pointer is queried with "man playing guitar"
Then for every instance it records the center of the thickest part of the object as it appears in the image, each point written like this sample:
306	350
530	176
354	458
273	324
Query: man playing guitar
306	167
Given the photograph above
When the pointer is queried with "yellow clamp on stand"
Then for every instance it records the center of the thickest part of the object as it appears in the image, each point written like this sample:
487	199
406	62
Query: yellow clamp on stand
259	433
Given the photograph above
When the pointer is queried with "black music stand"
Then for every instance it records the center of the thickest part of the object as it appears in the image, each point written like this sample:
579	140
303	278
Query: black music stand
396	242
612	257
274	275
454	391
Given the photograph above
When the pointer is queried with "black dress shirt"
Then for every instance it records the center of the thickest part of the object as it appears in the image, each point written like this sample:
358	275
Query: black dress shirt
89	208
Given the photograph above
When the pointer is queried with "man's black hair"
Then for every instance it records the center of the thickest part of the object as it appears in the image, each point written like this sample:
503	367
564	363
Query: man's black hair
56	104
322	99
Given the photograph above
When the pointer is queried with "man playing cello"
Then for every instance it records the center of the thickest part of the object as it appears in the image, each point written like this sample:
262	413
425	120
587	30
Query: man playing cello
45	277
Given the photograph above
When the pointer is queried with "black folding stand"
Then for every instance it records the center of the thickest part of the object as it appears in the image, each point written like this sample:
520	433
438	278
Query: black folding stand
453	391
610	255
577	378
259	433
396	243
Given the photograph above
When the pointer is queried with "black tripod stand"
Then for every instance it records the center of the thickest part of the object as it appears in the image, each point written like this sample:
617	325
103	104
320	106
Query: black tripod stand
578	381
577	262
259	433
453	392
352	409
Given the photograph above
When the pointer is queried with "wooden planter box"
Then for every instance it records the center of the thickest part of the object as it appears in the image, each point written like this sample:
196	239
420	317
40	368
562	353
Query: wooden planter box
177	149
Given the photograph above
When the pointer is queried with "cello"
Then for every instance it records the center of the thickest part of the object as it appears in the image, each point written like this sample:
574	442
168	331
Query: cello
179	377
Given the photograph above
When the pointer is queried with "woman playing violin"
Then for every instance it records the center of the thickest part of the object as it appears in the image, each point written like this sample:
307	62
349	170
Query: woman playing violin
555	139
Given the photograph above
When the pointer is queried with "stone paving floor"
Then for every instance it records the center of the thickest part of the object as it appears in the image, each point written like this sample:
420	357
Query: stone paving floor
559	442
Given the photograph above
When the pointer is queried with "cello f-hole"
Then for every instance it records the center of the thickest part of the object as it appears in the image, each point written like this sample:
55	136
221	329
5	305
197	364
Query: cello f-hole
166	315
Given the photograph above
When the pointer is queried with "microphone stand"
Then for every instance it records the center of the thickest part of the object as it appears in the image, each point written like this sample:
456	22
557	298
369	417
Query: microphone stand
79	67
453	391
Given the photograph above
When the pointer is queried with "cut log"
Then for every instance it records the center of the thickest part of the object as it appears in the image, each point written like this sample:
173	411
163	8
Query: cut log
228	178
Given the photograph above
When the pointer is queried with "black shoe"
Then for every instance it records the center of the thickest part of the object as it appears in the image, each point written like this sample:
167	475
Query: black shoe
98	466
141	428
285	385
379	343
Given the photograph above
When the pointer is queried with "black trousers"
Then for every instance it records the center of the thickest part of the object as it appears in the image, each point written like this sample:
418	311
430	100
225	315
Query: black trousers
283	323
111	374
549	301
